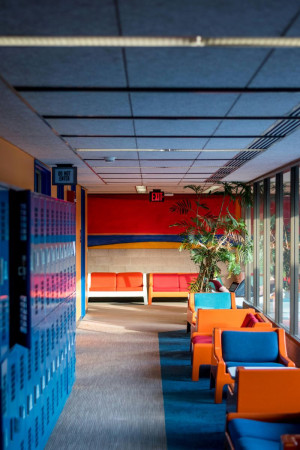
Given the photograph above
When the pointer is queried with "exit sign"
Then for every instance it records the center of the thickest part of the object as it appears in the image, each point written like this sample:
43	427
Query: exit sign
156	196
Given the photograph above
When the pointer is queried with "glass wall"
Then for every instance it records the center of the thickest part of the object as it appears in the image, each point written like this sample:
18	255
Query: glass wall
275	269
261	246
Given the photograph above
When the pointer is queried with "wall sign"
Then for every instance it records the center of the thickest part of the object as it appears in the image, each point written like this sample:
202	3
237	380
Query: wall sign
156	196
64	175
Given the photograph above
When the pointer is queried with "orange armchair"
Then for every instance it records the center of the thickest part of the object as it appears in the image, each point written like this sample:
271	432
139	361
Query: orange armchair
267	406
208	300
247	347
208	319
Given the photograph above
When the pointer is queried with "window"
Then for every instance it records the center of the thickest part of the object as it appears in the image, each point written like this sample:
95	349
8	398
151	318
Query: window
276	234
42	179
272	249
261	246
286	251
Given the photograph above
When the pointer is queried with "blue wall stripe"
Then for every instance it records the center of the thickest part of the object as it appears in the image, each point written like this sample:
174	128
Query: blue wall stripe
94	240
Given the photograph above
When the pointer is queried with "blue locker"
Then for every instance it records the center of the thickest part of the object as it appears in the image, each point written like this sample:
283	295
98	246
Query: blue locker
4	273
5	422
15	391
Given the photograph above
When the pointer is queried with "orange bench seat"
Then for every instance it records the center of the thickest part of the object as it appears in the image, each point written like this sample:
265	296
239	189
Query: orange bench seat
123	284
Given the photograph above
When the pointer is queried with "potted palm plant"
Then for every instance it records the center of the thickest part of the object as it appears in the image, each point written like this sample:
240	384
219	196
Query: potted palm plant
211	238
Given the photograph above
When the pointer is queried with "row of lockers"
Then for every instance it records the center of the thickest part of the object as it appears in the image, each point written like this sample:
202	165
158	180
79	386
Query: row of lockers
37	315
36	382
40	259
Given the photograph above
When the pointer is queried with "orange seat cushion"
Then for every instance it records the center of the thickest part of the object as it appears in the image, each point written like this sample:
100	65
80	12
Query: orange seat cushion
185	279
103	281
165	282
130	281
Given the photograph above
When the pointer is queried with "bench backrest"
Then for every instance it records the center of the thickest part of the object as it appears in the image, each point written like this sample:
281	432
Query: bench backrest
215	300
254	346
103	281
172	282
129	281
208	319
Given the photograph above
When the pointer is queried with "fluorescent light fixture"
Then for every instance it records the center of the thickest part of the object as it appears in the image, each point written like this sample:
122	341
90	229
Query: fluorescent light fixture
141	189
169	150
147	41
210	189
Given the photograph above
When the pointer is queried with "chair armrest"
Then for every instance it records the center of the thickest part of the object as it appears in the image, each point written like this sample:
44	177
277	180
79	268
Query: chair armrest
286	361
290	441
191	302
150	285
232	297
268	390
217	345
265	417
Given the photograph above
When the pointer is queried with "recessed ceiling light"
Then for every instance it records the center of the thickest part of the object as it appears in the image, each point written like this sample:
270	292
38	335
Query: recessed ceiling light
141	189
210	189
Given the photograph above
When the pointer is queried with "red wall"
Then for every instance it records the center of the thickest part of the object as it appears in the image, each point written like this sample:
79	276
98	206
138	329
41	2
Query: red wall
135	214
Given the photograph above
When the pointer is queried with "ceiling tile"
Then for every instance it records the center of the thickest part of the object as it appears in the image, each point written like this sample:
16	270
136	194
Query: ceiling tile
79	103
92	126
175	127
265	104
172	143
228	143
37	67
101	143
206	67
220	155
243	127
206	17
181	104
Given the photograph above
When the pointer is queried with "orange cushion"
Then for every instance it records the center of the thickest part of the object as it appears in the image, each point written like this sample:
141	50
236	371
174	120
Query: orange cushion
165	282
185	279
103	281
130	281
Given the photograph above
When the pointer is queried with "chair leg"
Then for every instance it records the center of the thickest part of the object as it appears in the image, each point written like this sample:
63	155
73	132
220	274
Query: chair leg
219	392
212	377
195	371
195	364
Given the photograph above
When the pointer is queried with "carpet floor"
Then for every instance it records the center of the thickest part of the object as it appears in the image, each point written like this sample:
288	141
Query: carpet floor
133	388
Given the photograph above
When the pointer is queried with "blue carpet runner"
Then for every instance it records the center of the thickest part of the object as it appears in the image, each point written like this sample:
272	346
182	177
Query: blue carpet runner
193	420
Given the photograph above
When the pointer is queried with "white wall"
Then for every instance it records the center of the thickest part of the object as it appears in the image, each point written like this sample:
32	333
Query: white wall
141	260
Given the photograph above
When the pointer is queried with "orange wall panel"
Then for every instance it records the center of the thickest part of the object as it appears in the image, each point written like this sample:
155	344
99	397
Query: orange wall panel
17	167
